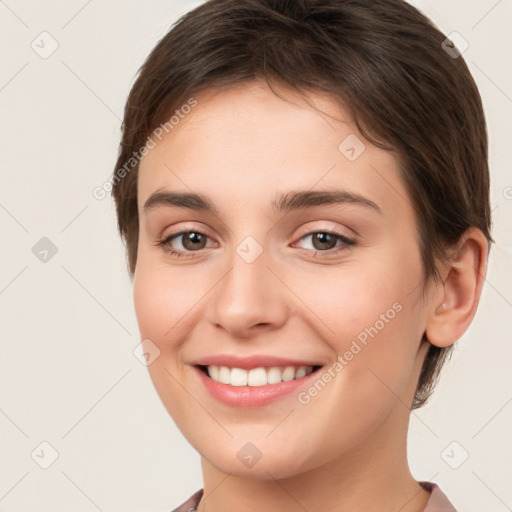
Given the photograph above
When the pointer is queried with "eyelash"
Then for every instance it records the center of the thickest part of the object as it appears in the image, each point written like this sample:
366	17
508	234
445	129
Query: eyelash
322	254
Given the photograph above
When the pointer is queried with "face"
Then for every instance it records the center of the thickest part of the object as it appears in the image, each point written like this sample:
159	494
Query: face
251	276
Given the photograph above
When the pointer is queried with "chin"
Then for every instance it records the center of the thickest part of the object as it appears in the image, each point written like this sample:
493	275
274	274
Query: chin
245	460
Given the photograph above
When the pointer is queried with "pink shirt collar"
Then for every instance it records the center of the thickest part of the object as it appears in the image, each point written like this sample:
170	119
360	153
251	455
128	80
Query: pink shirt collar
438	502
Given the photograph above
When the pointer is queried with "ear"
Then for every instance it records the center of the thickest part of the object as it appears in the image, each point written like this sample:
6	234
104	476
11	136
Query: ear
456	298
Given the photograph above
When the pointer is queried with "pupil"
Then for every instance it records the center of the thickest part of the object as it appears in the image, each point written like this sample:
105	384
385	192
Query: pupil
192	238
324	239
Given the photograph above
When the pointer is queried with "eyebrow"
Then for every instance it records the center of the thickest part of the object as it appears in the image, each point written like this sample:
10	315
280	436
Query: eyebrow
293	200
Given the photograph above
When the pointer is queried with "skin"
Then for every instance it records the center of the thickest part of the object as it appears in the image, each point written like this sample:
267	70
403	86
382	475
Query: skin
346	448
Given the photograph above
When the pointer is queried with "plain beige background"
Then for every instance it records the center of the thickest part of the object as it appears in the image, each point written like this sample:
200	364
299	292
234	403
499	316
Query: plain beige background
68	375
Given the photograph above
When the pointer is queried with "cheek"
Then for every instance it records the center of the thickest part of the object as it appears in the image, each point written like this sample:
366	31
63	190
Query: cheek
164	302
352	298
374	319
153	302
164	306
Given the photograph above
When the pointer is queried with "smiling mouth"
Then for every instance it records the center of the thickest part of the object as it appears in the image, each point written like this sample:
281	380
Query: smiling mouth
256	377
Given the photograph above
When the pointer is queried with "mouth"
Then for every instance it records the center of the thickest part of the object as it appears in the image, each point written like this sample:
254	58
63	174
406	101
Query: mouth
254	387
256	377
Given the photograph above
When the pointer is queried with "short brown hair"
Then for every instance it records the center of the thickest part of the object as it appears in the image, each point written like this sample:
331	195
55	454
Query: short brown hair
382	58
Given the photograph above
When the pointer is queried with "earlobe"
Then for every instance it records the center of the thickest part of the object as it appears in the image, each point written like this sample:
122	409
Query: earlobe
456	298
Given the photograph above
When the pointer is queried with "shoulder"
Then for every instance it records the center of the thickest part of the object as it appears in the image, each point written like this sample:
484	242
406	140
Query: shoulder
438	501
191	504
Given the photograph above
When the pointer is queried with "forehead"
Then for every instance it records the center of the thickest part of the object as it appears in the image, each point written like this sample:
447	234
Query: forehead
240	145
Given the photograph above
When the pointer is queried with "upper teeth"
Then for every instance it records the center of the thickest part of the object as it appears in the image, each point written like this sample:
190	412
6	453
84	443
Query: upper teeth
257	376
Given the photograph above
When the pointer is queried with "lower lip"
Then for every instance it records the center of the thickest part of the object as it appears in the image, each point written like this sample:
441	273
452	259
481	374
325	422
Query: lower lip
251	396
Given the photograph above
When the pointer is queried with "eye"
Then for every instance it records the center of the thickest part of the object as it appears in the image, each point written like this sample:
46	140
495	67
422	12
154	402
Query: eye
324	243
178	244
327	242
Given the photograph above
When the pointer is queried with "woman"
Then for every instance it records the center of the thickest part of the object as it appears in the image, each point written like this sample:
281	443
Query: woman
303	191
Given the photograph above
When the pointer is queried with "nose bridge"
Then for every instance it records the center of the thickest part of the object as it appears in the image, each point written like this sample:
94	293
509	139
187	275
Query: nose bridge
249	294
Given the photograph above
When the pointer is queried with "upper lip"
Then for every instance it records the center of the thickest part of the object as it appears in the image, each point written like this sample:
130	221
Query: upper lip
247	363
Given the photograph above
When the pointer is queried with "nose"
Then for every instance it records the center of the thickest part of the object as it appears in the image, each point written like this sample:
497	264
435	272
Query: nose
248	299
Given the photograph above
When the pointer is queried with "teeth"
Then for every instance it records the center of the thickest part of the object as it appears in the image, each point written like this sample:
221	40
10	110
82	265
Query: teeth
224	375
301	372
238	377
274	375
214	371
288	374
257	376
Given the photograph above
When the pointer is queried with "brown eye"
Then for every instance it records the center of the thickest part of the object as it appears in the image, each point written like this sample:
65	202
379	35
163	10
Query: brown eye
193	240
185	242
324	241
